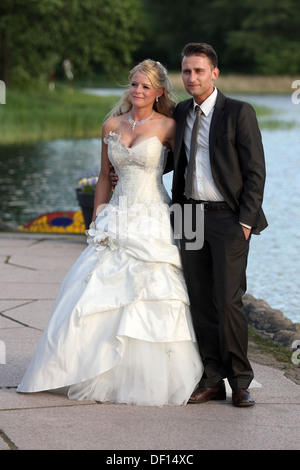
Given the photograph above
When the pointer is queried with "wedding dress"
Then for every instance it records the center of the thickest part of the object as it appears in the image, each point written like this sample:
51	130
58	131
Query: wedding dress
121	329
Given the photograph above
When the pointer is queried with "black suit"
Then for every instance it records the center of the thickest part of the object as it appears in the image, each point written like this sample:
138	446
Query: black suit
216	274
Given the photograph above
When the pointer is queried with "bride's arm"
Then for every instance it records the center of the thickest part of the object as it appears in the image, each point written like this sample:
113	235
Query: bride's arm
171	130
103	187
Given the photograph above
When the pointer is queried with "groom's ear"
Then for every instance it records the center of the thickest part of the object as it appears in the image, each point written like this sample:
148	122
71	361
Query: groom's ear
215	73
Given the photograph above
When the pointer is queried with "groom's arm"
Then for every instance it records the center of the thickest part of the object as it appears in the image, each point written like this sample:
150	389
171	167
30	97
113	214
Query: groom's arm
170	162
252	163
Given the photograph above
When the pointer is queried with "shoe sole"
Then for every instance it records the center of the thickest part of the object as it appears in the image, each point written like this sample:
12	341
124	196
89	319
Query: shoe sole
243	405
216	398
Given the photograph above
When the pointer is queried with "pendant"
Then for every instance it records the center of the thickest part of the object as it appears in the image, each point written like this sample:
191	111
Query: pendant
138	123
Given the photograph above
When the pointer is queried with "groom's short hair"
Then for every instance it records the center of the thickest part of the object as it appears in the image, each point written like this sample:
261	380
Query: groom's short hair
199	48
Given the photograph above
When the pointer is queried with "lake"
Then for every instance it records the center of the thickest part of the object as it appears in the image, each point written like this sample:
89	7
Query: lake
42	178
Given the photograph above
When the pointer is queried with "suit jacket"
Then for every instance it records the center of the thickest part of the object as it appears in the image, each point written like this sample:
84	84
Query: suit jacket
236	157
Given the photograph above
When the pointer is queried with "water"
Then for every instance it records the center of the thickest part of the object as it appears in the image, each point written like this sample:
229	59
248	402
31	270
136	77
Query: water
42	178
273	268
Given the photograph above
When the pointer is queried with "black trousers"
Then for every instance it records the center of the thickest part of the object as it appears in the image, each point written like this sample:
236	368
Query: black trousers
216	281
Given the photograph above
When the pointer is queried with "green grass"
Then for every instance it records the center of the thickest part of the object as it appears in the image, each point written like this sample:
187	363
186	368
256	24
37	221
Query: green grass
6	439
42	115
266	352
268	347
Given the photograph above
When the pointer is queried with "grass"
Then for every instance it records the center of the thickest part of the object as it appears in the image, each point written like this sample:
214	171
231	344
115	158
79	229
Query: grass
6	439
267	346
41	115
266	352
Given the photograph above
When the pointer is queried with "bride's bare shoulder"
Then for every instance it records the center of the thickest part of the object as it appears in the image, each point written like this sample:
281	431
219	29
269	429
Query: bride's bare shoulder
169	125
168	121
110	125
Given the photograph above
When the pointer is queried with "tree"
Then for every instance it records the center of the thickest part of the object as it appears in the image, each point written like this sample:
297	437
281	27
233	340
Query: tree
267	39
102	32
27	29
36	35
249	36
170	24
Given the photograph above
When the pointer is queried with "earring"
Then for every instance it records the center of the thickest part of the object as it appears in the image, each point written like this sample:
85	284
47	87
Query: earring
156	99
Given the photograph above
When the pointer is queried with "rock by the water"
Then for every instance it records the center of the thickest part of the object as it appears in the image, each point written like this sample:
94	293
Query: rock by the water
270	322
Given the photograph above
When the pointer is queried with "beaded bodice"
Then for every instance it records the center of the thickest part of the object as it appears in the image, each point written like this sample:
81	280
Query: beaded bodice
139	168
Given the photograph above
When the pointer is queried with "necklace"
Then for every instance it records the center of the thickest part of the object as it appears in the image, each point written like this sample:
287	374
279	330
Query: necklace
138	123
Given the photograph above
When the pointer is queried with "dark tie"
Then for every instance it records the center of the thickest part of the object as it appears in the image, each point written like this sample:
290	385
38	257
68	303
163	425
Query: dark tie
193	148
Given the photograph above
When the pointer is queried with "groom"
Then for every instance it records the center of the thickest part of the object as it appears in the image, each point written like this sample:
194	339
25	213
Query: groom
222	168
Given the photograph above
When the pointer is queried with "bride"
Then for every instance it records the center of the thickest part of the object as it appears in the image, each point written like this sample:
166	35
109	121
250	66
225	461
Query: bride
121	329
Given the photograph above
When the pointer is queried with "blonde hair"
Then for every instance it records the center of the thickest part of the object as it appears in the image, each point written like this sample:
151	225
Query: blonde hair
158	76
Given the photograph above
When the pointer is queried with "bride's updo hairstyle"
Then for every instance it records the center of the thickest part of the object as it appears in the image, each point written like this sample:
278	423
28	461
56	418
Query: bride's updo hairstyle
158	76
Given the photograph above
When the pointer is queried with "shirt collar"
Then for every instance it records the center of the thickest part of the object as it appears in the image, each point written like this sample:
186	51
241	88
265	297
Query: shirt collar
208	104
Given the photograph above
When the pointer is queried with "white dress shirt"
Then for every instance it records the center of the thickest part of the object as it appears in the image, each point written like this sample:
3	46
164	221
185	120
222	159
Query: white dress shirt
203	184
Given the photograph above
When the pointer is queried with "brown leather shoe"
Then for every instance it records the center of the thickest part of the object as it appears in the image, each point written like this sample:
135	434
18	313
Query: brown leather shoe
201	394
242	397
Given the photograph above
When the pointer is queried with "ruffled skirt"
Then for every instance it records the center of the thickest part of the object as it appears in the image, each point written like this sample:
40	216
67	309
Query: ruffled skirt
121	329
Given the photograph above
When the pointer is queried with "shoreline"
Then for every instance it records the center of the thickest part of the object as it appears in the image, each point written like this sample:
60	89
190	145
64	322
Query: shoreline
273	339
244	84
26	119
270	323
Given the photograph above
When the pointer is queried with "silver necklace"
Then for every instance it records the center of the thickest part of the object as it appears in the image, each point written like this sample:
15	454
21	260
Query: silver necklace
138	123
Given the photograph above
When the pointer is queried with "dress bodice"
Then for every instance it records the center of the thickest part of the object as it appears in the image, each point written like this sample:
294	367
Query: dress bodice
139	168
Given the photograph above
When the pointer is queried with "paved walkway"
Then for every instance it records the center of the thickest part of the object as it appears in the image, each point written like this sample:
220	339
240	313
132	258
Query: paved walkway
32	268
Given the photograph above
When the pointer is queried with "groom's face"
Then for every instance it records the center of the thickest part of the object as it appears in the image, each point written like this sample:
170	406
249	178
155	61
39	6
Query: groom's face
198	76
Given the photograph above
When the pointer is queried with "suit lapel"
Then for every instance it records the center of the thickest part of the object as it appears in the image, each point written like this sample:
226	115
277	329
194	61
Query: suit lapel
215	122
180	129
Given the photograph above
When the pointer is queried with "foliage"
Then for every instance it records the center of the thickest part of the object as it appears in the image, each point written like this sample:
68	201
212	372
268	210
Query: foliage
37	35
249	36
110	35
267	40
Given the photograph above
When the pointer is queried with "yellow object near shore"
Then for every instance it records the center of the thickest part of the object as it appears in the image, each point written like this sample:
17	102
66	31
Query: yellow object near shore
56	222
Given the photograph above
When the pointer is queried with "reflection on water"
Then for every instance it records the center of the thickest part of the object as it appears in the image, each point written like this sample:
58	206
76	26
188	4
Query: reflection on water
41	178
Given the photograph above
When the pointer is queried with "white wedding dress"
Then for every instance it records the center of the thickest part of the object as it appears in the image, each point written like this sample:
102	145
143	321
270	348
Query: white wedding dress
121	329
